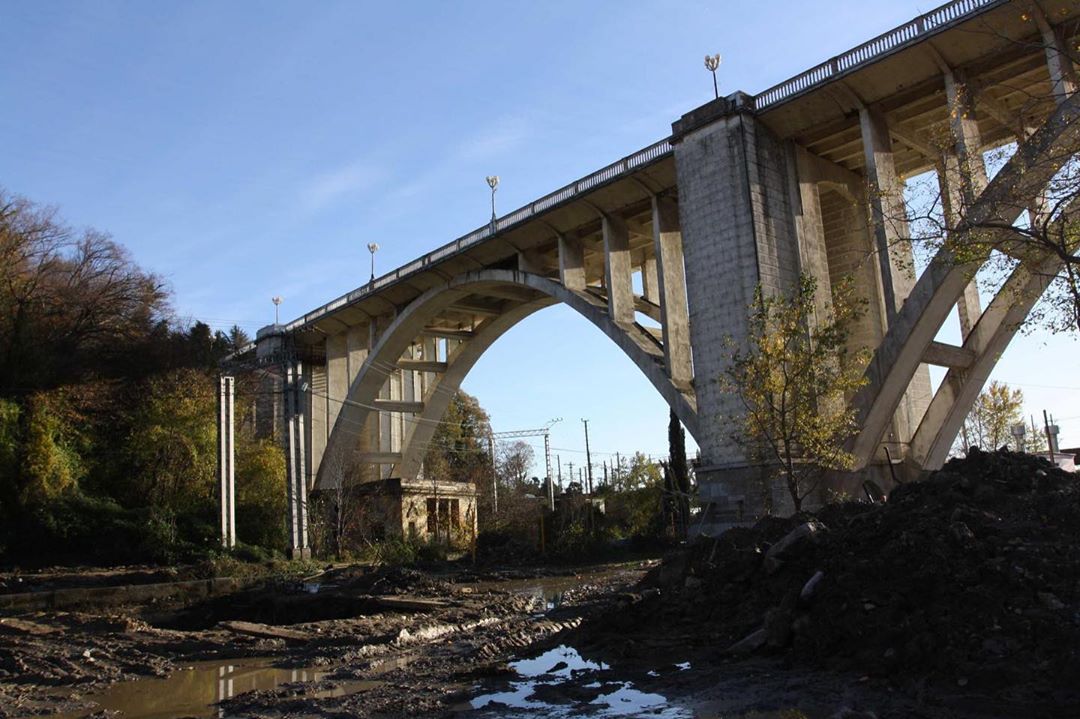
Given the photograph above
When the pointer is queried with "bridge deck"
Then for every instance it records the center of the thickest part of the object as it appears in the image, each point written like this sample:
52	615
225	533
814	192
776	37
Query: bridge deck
899	72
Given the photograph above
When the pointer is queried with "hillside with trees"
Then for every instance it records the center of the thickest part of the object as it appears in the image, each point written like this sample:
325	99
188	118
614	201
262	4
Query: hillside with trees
107	407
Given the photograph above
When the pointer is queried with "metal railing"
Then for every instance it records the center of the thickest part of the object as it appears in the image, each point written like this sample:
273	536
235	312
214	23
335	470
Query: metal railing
612	172
932	22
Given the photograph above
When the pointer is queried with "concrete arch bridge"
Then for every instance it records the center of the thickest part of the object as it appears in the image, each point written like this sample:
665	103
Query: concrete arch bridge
749	190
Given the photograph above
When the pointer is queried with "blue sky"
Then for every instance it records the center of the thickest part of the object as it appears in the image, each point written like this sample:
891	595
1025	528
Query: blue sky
251	149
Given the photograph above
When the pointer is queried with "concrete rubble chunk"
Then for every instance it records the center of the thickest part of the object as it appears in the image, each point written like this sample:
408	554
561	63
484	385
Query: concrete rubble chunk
806	531
750	643
810	587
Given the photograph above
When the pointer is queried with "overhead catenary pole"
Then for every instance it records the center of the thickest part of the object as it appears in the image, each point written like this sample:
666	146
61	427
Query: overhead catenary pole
550	479
588	456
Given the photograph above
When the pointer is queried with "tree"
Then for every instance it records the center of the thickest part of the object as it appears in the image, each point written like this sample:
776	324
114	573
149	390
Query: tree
793	377
640	472
459	447
514	462
237	338
260	492
171	450
990	422
679	472
72	304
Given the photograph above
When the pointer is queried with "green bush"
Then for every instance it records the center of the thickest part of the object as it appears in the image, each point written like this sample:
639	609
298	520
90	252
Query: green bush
76	528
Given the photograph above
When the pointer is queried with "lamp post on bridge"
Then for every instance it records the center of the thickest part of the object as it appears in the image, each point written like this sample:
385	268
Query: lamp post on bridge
712	62
373	247
276	299
493	183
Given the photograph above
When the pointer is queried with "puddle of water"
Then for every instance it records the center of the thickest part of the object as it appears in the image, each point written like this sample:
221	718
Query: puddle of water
193	692
549	590
542	676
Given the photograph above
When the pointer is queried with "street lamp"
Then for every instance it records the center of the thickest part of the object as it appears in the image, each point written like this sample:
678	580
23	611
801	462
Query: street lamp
712	62
277	301
373	247
493	183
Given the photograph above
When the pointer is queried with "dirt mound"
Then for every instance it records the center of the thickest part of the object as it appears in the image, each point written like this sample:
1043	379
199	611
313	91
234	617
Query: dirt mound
971	577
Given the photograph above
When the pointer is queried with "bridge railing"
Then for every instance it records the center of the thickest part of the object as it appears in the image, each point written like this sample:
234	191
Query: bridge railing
931	22
612	172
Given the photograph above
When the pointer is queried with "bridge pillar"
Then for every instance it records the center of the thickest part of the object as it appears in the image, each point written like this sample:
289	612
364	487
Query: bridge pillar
751	214
737	230
618	273
962	177
671	281
896	270
571	262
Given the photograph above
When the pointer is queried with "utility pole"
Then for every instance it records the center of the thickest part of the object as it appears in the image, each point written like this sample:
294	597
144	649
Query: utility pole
1049	437
618	468
605	473
558	460
571	471
588	456
494	476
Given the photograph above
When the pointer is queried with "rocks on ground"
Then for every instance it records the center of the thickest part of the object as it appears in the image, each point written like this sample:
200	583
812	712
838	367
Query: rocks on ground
970	579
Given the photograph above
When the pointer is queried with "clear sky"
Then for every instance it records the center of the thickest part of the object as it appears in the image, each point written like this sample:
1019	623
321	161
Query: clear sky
251	149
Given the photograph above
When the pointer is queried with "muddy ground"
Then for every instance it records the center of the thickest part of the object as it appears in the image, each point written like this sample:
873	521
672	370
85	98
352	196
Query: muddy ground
393	643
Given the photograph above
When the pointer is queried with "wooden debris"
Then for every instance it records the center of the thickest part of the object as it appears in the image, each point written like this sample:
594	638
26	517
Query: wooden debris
265	631
22	626
411	603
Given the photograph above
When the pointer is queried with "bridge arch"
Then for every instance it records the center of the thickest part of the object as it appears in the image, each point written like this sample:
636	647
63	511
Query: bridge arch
411	323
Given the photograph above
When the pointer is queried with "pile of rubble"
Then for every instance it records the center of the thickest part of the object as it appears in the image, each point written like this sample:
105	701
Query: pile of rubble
971	577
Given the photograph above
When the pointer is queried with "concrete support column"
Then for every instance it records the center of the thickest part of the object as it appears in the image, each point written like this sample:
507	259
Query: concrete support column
887	213
269	413
736	229
671	288
813	251
649	282
337	375
571	262
295	478
1063	80
227	460
963	180
895	261
318	411
618	273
